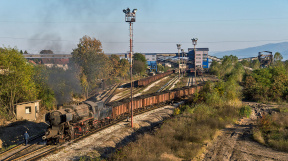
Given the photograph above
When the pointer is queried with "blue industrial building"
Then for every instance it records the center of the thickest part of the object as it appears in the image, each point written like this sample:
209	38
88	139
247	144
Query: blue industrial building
151	61
201	57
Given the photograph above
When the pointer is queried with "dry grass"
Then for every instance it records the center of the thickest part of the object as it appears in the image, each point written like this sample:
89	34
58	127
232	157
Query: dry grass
257	135
181	137
273	131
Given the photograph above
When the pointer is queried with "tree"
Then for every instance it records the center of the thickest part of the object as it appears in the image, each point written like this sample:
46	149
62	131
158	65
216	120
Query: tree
90	57
139	57
245	63
160	67
278	56
46	52
44	92
21	52
16	82
255	64
124	65
138	67
25	52
115	62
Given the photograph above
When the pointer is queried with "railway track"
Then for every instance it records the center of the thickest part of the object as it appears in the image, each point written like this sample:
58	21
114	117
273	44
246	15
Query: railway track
169	84
19	147
43	151
108	95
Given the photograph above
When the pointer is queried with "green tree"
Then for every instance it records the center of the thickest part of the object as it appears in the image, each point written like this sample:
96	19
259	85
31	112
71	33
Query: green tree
278	56
90	57
245	63
255	64
139	63
115	62
139	57
124	64
16	81
160	67
44	92
138	67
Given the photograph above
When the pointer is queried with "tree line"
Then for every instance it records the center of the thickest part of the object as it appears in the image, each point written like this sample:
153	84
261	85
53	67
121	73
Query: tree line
21	81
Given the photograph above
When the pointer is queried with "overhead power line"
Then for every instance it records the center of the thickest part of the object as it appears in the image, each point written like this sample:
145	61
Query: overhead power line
156	21
148	42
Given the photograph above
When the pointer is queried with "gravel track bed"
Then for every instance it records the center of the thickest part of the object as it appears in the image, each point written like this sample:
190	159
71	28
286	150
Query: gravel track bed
103	143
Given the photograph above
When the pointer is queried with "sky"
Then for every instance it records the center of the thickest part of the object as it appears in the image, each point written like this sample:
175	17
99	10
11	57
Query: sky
221	25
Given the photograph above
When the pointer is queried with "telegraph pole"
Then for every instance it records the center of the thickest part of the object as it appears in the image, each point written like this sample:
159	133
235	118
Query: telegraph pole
179	47
182	51
194	42
131	17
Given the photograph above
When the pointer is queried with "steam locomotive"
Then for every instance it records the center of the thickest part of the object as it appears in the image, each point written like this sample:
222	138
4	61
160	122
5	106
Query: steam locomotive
72	121
75	120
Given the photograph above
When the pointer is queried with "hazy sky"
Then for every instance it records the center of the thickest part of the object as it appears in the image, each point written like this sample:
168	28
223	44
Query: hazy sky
220	25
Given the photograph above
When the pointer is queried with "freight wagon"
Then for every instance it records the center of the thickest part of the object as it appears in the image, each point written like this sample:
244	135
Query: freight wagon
71	122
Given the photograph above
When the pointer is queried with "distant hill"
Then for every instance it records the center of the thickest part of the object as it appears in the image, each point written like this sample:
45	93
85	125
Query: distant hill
253	51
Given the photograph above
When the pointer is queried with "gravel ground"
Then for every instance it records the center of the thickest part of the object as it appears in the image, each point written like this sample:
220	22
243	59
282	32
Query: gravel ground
104	142
236	143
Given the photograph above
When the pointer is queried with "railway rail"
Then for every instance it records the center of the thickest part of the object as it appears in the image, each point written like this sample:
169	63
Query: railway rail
43	151
169	84
19	147
108	95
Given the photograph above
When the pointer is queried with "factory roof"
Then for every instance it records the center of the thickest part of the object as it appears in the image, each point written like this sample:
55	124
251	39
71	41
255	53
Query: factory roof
198	49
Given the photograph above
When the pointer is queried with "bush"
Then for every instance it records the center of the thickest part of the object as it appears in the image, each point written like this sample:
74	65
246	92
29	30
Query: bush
245	111
257	135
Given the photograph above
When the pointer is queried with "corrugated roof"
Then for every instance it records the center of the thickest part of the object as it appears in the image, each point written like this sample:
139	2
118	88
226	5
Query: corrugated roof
198	49
27	102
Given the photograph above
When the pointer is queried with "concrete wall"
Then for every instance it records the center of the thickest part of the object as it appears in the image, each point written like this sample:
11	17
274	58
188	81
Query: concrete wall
22	111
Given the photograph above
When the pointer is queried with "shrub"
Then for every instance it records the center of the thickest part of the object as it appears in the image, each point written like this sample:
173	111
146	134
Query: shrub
176	111
245	111
257	135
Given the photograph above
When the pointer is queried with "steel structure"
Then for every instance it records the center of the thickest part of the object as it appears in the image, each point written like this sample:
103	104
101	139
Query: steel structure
130	17
265	59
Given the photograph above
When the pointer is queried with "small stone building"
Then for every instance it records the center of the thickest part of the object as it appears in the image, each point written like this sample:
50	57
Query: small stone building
27	110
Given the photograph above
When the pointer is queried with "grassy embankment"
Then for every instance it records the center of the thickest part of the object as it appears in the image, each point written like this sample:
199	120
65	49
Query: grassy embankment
196	123
192	127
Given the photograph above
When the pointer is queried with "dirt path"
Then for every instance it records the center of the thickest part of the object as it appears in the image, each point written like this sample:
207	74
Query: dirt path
104	142
236	143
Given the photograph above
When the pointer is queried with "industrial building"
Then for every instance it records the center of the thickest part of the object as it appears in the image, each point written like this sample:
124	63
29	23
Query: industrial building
201	57
151	61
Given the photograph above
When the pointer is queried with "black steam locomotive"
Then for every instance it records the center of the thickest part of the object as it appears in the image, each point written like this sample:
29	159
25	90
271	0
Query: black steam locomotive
72	121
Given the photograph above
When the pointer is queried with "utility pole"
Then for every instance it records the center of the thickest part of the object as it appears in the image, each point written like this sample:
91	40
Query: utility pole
130	17
194	42
179	47
182	51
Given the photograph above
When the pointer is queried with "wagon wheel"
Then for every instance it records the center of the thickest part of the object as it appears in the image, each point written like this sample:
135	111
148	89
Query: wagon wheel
85	129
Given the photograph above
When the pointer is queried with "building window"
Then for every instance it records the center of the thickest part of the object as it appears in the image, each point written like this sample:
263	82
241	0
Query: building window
36	109
153	55
28	109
